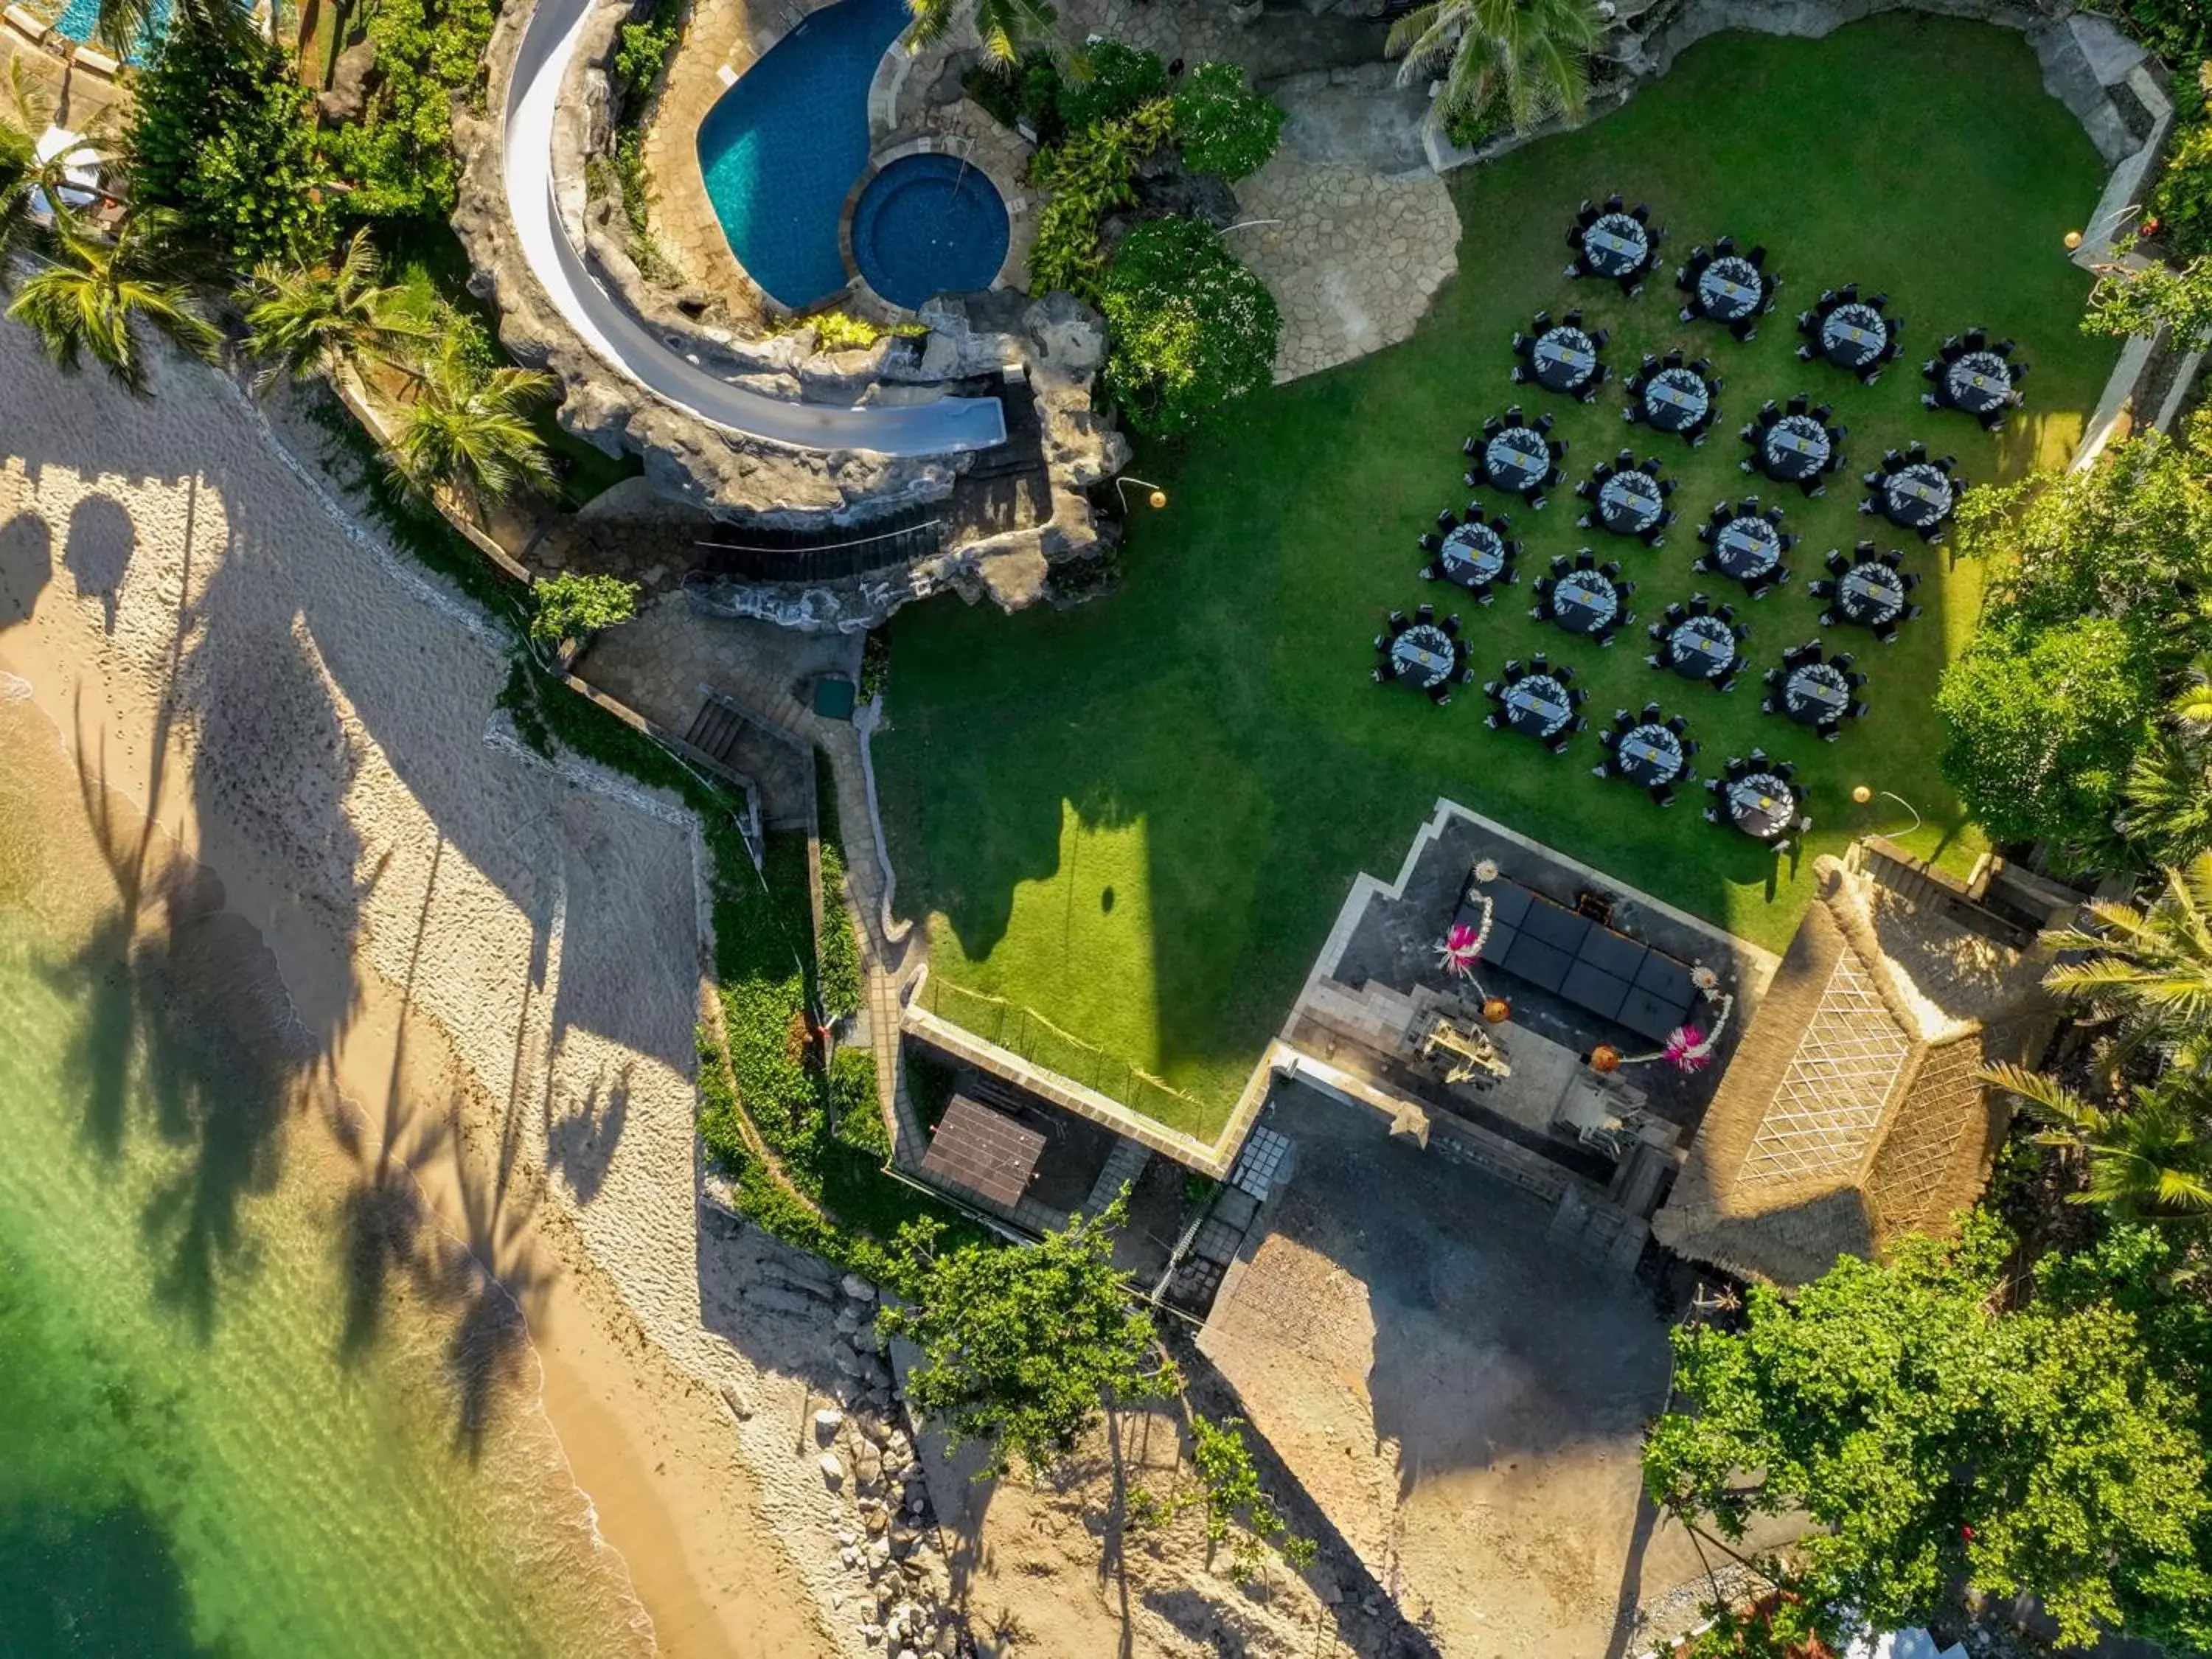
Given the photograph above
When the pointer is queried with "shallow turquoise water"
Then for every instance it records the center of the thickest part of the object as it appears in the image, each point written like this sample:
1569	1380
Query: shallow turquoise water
219	1433
785	146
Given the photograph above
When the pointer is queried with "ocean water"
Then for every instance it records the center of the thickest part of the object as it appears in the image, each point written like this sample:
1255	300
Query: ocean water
240	1414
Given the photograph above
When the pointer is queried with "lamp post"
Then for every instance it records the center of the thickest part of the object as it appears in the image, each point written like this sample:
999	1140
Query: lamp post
1862	795
1157	500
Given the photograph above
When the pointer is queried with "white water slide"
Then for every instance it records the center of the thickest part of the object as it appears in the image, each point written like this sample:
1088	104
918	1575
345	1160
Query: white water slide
622	340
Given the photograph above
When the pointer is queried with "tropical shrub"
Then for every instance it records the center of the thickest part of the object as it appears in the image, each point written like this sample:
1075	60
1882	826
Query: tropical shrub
399	156
2042	725
854	1100
1089	175
1027	91
221	137
642	48
1224	126
2183	201
1191	329
1106	82
2180	31
568	606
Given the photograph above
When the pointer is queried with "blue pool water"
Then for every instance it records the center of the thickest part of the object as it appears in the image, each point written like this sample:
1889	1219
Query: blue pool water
81	17
928	225
784	147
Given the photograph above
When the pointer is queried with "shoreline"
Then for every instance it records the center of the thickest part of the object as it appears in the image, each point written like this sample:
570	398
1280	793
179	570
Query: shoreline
653	1453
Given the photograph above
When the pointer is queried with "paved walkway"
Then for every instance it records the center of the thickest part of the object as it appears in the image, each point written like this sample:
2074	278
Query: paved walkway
656	664
1355	261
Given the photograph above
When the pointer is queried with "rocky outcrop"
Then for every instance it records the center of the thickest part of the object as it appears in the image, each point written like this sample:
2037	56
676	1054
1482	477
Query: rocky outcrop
1054	346
1062	343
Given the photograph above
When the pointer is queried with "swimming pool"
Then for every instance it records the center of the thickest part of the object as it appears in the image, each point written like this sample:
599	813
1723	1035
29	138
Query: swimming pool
928	225
783	147
80	18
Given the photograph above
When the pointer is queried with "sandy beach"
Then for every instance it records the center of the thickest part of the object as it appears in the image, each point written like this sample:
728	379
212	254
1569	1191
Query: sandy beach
495	961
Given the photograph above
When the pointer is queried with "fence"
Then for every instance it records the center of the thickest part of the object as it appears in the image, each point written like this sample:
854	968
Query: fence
1023	1031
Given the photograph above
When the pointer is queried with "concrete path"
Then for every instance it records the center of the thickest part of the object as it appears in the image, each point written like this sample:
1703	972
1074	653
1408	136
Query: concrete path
624	343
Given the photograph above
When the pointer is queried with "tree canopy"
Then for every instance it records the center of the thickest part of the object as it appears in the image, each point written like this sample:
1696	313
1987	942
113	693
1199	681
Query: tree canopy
1193	329
1224	127
1936	1438
2042	728
221	136
2095	605
1021	1348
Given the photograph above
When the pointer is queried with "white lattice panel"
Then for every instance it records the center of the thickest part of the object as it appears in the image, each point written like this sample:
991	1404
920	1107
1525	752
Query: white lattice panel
1830	1100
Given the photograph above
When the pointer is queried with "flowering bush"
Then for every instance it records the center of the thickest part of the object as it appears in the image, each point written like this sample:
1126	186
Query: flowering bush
1193	330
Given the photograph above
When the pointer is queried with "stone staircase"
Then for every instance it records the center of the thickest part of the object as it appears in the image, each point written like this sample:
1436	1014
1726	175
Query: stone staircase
779	767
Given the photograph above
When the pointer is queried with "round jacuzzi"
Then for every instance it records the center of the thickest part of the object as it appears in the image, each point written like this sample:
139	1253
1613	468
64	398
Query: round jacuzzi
927	225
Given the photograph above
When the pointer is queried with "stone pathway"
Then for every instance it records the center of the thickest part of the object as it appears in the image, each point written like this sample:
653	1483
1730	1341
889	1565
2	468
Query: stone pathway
656	664
1356	260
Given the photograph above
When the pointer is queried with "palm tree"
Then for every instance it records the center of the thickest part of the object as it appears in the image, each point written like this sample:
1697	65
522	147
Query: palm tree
2151	970
468	430
2169	798
1005	26
1528	57
321	317
2145	1156
19	183
100	296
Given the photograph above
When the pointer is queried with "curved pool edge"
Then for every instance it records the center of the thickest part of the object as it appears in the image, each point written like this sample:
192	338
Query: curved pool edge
621	340
1013	263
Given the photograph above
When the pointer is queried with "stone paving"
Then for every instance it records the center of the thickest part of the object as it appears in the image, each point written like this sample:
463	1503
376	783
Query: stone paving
656	665
721	42
1356	260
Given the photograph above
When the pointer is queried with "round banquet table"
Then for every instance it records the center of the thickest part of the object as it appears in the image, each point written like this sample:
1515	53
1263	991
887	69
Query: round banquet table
1423	656
1676	399
1730	289
1854	336
1917	497
1473	553
1585	602
1615	244
1979	382
1816	694
1870	593
1748	549
1795	449
1517	460
1762	806
1537	706
1566	359
1702	648
1649	755
1629	503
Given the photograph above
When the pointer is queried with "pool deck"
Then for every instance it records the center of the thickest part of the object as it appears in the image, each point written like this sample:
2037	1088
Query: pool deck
720	43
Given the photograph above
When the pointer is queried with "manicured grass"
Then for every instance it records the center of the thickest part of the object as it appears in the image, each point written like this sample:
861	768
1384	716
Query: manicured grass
1139	817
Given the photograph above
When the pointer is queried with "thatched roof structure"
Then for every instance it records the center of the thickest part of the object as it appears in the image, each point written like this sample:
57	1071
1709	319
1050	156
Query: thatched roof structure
1853	1111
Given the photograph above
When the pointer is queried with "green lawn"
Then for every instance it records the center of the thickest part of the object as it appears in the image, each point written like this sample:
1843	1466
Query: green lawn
1138	817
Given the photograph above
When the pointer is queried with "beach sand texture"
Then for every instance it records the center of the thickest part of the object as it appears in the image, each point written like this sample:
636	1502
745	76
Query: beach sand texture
497	960
467	934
